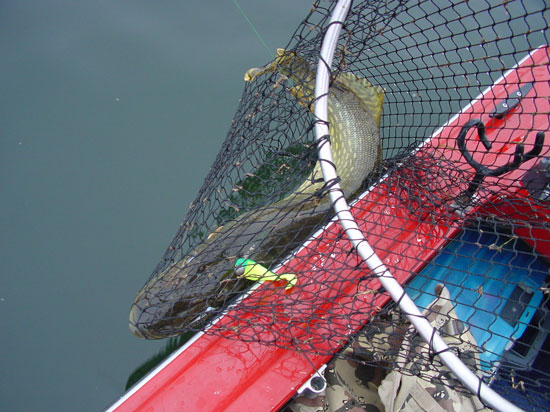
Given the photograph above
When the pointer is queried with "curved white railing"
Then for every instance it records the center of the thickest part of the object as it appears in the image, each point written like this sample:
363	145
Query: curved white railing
355	235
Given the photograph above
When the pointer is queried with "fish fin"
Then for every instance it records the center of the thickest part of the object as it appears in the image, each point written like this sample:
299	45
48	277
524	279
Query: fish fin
271	67
371	95
303	95
379	156
283	59
254	72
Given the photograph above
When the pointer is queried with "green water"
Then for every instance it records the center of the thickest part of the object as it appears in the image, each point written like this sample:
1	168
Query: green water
111	113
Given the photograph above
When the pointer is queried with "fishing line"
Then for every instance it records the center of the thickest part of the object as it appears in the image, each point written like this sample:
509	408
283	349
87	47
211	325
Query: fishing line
253	28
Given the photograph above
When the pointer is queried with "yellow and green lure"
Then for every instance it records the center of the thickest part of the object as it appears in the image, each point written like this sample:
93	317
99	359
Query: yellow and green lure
255	272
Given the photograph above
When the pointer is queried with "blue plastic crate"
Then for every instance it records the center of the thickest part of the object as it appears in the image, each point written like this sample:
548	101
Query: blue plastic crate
494	281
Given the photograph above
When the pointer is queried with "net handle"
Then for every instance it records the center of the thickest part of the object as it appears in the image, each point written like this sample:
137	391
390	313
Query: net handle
355	235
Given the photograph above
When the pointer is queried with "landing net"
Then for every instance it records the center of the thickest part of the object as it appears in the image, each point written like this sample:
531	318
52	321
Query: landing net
438	113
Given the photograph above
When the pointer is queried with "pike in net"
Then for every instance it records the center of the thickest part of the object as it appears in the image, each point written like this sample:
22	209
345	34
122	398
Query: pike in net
207	275
437	114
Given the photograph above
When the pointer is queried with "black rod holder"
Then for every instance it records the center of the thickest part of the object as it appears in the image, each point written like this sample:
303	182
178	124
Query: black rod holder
483	171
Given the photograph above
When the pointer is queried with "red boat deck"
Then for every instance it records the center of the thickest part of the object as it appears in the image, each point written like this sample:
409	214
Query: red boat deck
214	373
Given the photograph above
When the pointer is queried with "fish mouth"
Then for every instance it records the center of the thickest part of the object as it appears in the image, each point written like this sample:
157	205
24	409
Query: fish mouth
146	325
135	326
171	311
165	303
154	316
176	300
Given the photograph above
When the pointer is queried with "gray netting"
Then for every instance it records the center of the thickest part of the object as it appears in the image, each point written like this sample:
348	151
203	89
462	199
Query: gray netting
478	212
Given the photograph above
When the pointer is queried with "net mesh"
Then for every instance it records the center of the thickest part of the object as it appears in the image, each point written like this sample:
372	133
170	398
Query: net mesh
457	207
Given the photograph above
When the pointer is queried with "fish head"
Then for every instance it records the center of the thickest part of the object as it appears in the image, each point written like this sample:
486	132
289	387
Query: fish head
185	296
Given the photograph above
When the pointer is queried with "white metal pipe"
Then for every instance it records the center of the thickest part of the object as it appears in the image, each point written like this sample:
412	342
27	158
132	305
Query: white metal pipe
355	235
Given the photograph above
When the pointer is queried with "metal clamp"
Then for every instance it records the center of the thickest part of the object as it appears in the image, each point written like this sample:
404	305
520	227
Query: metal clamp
315	385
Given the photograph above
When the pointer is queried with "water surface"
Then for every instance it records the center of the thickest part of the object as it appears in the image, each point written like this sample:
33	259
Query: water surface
111	113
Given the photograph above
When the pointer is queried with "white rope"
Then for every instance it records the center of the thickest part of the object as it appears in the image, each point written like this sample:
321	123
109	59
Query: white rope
355	235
